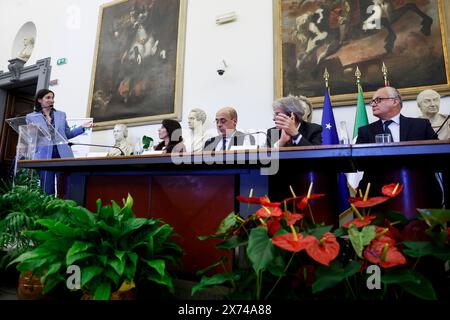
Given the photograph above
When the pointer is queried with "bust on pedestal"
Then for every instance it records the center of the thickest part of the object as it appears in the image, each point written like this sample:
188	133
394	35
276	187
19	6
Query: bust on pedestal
428	102
198	133
120	133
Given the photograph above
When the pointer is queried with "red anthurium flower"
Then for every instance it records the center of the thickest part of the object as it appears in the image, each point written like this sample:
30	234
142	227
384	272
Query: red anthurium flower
370	202
292	199
273	225
392	190
265	212
384	235
302	204
325	250
288	242
266	202
254	200
366	220
292	218
384	254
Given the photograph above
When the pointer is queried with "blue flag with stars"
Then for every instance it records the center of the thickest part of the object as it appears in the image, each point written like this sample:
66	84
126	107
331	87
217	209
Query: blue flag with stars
330	136
329	132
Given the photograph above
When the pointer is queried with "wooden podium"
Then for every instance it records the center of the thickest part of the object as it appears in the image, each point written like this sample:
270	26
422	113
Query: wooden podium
193	193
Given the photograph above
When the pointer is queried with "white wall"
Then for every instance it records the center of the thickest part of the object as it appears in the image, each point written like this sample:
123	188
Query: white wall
68	28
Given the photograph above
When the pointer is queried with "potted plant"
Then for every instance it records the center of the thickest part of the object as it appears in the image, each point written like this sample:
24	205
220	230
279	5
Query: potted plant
147	142
22	203
289	255
112	248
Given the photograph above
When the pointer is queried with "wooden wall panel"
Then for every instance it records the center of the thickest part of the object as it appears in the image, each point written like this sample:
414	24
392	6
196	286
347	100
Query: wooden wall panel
116	188
194	206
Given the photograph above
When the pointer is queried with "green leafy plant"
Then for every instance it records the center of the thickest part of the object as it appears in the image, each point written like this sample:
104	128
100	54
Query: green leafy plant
279	245
111	247
21	205
287	254
147	142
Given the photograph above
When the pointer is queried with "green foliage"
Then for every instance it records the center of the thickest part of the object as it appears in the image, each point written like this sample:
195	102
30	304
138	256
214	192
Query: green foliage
435	216
420	249
360	239
21	205
217	279
330	277
260	250
146	142
110	246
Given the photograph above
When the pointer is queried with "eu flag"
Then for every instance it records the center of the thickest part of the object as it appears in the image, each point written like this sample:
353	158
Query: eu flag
329	132
330	136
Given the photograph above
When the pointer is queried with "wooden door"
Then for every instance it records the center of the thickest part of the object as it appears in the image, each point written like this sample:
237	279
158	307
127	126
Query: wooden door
17	104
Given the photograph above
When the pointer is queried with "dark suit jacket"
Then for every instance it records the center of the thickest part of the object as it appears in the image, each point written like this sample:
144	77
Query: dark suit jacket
237	140
311	135
410	129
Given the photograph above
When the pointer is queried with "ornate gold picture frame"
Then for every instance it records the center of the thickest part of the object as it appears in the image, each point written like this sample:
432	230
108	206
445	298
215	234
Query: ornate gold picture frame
137	73
411	37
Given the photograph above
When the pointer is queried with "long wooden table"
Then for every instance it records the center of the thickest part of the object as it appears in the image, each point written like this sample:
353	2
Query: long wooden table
195	192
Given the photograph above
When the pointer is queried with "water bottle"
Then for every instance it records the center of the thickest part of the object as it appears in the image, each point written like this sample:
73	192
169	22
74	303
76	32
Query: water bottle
343	133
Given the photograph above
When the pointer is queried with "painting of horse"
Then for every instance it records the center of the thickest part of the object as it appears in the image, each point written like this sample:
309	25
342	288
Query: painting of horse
409	37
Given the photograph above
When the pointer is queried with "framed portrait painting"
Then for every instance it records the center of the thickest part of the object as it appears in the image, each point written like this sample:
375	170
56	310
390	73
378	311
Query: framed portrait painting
411	37
138	63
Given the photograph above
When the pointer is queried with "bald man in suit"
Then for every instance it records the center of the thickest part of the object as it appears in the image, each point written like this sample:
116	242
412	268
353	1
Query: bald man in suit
226	122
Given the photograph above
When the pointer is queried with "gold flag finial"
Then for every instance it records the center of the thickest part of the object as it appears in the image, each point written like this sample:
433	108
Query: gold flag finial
384	69
326	76
358	75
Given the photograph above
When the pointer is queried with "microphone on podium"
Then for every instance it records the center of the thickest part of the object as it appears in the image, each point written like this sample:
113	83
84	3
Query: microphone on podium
95	145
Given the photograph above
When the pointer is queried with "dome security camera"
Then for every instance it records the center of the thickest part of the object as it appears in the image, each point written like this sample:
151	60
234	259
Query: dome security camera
221	68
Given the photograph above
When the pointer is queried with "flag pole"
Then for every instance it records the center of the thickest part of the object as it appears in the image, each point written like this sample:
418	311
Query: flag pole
358	75
326	76
384	69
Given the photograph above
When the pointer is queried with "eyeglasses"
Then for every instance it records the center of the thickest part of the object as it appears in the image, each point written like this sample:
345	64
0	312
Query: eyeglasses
377	100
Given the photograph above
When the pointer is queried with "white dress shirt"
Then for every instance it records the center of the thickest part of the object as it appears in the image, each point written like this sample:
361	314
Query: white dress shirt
228	141
395	128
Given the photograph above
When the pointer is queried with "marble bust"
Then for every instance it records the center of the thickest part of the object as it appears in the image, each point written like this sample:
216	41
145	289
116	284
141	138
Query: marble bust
198	132
428	102
120	133
28	45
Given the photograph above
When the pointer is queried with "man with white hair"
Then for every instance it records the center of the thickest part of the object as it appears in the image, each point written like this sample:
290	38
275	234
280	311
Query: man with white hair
290	127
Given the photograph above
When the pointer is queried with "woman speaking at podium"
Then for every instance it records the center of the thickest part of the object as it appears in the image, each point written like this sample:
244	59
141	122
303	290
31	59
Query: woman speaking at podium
54	122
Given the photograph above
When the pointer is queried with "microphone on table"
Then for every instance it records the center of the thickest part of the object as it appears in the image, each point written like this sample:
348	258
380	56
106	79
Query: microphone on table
95	145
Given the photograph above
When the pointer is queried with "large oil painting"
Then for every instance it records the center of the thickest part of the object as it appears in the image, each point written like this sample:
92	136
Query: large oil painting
138	65
410	37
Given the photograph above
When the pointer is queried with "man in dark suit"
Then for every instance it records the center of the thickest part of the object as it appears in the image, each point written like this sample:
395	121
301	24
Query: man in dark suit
386	105
290	130
226	121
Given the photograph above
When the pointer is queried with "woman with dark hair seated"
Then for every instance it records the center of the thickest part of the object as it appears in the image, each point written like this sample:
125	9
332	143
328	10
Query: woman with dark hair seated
170	133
